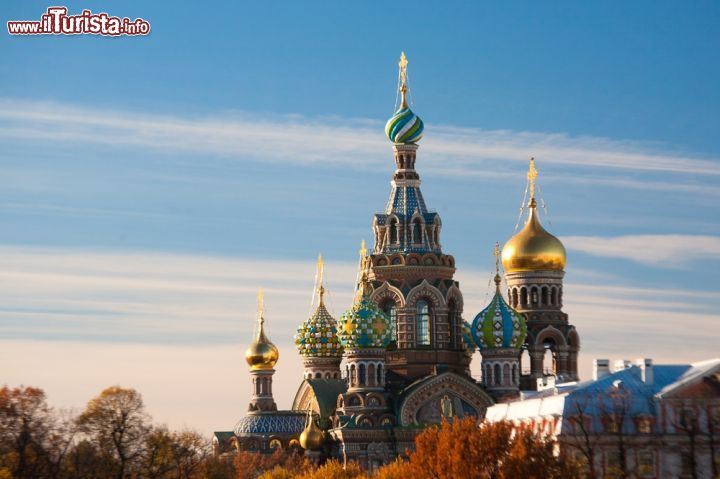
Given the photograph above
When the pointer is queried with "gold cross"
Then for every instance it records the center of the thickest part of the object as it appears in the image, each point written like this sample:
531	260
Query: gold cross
260	304
363	250
532	176
497	257
320	267
403	63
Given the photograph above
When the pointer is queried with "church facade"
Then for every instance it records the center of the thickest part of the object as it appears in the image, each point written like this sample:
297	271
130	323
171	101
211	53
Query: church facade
399	359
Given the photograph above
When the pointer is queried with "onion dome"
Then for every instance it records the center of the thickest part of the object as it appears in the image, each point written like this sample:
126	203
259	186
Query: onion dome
498	325
365	325
317	337
533	248
262	354
405	127
312	437
467	339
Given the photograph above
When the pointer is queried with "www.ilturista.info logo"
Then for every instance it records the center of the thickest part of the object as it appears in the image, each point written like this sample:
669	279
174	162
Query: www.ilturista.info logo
57	22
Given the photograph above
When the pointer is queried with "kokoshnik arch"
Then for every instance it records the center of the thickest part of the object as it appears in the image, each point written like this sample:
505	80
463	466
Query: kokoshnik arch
399	358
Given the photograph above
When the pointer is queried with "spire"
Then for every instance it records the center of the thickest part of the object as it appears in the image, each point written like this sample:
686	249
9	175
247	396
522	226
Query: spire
498	280
403	63
321	288
532	178
363	266
260	335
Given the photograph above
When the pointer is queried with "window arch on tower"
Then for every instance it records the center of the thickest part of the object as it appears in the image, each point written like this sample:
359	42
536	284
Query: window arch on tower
453	323
553	296
362	375
523	296
379	381
393	227
496	375
422	321
488	375
544	296
417	234
514	297
390	308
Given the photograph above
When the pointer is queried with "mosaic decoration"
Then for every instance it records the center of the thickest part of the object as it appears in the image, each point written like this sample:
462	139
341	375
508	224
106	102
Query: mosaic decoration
317	337
364	326
273	423
499	326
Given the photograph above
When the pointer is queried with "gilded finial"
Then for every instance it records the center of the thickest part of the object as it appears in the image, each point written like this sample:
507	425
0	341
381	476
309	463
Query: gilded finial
363	285
260	306
403	63
532	178
321	288
498	280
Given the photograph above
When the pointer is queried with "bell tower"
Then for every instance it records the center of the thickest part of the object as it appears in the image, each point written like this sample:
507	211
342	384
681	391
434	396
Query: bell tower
534	262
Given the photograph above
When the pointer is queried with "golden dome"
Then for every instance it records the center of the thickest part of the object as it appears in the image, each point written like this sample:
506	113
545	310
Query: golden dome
533	248
312	437
262	354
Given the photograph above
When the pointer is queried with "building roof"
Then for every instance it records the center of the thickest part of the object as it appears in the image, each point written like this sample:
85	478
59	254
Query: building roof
271	423
326	392
624	390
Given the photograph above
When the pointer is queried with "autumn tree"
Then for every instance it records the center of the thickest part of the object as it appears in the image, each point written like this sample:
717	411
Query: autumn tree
32	441
116	421
464	448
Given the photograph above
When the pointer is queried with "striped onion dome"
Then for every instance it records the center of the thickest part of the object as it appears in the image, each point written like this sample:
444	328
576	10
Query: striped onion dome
317	336
498	325
404	127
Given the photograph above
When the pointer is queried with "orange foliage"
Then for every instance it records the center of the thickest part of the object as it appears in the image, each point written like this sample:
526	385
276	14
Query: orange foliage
461	448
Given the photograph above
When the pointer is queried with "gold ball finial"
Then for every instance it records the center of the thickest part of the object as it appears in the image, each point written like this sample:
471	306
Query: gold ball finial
312	437
262	353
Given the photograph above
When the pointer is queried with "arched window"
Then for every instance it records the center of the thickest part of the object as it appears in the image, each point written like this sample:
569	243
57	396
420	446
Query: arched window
353	376
560	303
488	375
422	318
515	379
318	375
506	374
523	296
515	297
452	323
379	381
497	375
553	296
393	231
417	231
371	375
362	375
391	310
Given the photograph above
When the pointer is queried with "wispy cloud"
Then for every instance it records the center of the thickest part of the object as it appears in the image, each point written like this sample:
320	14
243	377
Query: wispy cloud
658	250
449	149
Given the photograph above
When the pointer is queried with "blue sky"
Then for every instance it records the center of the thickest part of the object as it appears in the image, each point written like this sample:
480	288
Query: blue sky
150	184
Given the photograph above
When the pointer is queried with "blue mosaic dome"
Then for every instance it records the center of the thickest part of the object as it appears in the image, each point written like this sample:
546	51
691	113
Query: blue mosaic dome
498	325
317	337
364	326
404	127
280	422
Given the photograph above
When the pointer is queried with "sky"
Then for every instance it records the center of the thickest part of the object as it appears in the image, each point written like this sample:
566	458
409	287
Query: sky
149	185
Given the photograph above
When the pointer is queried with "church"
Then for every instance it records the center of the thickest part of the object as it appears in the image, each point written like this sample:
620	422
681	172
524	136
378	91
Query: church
399	358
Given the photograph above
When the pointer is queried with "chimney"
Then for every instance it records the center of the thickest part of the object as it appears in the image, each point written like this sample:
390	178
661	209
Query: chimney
601	368
621	364
646	370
